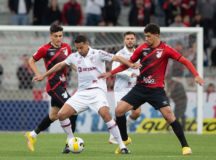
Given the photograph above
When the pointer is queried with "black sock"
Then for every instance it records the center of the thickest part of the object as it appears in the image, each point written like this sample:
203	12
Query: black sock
179	133
45	123
121	122
73	122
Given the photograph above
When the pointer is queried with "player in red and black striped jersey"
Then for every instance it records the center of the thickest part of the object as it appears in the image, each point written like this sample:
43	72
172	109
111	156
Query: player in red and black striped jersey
52	53
153	56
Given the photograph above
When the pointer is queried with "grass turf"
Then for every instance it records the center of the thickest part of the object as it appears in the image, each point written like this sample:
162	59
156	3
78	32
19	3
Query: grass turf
144	147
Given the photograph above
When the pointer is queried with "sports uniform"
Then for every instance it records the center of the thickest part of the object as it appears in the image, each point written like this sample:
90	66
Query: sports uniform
91	91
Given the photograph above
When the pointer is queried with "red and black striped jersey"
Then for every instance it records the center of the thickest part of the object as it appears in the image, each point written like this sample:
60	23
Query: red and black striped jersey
52	56
154	62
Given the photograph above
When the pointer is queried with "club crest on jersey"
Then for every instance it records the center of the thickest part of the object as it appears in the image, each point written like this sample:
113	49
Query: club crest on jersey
159	53
65	51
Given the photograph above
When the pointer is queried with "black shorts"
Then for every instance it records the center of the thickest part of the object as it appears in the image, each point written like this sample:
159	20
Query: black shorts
58	96
139	94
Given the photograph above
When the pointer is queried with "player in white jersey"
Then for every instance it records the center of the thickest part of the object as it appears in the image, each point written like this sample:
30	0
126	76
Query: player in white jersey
124	81
91	93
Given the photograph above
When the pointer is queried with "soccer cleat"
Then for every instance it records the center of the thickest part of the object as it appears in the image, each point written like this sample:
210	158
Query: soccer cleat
127	142
30	141
112	140
186	151
124	151
66	149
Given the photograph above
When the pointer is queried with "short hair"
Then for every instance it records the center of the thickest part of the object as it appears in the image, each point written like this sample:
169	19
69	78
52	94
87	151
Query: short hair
152	28
80	39
129	32
55	28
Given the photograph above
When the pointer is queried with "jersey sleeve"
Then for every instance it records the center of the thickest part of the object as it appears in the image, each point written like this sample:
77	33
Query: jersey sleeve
105	56
40	53
136	54
70	59
172	53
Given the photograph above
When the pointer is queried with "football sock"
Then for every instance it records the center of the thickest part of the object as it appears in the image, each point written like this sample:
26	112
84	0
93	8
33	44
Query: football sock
179	133
45	123
121	122
130	121
114	130
66	125
73	119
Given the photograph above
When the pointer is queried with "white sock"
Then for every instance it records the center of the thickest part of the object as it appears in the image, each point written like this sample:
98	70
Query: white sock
33	134
130	121
114	130
66	125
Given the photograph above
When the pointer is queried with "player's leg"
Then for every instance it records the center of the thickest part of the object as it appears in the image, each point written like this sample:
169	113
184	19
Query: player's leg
177	128
44	124
113	128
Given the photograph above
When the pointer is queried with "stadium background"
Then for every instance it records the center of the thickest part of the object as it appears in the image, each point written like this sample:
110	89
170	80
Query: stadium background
22	109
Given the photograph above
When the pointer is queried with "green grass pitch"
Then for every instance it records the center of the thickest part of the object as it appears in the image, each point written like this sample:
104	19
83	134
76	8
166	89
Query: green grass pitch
144	147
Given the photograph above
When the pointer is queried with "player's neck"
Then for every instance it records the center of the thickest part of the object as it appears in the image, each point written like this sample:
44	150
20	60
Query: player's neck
156	44
55	46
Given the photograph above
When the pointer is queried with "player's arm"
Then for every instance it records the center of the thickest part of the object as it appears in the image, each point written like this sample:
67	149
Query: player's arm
55	68
192	69
125	62
32	64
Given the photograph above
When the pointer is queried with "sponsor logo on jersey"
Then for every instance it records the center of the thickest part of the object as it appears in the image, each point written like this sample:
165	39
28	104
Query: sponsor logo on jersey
80	69
149	80
65	95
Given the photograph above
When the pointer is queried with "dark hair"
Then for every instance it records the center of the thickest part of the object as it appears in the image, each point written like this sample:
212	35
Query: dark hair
128	33
152	28
55	28
80	39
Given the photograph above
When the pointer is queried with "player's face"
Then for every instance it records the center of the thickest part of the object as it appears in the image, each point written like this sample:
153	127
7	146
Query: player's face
130	41
56	38
150	38
82	48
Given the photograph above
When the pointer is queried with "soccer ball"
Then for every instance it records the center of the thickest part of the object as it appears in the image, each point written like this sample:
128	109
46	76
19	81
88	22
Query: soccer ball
76	144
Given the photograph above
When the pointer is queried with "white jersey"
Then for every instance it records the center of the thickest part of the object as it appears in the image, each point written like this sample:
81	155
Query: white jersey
90	67
124	81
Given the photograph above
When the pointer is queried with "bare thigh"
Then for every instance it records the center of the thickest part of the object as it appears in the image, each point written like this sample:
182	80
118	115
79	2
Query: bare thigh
66	111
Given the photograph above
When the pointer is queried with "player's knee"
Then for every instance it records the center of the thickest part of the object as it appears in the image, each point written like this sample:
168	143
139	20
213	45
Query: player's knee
61	115
53	117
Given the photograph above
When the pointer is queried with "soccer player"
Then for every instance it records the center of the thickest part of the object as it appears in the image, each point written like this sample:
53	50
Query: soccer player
91	93
153	56
53	52
125	80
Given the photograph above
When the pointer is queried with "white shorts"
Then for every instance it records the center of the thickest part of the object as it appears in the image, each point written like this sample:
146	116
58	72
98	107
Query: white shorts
119	95
85	99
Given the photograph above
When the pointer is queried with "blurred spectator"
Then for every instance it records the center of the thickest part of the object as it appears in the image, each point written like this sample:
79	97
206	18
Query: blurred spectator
20	11
111	12
53	13
25	74
188	8
72	13
177	93
210	89
1	74
178	22
141	12
186	21
213	56
39	10
159	12
94	12
172	8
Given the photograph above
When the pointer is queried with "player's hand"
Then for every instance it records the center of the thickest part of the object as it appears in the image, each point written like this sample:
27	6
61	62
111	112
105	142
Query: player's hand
199	80
135	65
105	75
38	78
